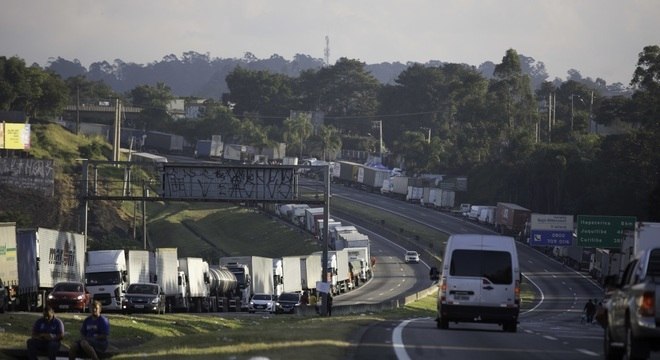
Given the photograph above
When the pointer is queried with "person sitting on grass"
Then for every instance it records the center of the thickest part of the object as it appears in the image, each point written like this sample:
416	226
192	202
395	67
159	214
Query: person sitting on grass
94	334
47	334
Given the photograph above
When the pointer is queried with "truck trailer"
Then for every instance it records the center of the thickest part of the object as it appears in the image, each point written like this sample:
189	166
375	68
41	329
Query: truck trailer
44	258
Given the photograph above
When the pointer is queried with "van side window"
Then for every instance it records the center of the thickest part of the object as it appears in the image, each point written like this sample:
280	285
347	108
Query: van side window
492	265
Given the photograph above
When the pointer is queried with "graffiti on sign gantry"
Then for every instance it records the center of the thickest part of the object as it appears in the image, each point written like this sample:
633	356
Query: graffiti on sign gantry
228	183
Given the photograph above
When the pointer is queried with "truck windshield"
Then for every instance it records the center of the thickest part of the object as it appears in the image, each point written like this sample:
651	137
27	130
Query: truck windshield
103	278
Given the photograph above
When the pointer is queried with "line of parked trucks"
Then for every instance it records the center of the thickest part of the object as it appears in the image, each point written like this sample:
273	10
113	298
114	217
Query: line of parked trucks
33	261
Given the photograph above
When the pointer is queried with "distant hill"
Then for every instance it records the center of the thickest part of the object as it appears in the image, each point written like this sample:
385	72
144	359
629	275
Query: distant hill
198	75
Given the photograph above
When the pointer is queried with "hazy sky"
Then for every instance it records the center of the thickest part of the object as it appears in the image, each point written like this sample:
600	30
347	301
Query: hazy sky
599	38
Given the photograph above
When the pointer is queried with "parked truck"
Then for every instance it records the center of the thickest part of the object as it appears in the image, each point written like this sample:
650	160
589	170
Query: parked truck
372	178
339	276
196	271
292	275
8	263
258	268
44	258
209	149
107	277
510	219
223	287
171	280
311	270
141	266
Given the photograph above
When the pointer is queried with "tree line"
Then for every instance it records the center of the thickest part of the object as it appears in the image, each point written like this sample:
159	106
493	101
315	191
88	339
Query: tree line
516	144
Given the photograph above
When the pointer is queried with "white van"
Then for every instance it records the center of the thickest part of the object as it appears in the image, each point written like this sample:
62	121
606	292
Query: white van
480	281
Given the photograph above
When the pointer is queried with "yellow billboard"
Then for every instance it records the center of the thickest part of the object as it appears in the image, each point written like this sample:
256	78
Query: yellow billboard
15	136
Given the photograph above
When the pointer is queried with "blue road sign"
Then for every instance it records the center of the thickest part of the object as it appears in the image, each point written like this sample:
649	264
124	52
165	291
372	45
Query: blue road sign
551	238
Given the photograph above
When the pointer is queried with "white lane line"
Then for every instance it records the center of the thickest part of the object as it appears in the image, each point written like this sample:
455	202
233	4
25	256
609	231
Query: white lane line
397	341
539	290
550	337
587	352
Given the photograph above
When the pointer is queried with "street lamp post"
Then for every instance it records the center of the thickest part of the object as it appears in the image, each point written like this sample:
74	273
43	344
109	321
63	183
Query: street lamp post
379	123
428	139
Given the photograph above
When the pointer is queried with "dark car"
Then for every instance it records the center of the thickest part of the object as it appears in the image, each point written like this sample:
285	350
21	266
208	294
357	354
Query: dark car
289	302
143	297
69	296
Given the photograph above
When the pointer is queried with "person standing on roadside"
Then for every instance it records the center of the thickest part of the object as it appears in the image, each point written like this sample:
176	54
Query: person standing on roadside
94	334
589	311
329	304
47	334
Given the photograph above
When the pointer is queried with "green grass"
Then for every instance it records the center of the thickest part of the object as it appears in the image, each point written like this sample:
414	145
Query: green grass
206	336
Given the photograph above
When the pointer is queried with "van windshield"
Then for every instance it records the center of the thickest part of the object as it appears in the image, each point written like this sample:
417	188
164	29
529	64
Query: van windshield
492	265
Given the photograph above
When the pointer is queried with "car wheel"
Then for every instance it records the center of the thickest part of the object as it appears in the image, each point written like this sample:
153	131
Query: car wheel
611	353
635	348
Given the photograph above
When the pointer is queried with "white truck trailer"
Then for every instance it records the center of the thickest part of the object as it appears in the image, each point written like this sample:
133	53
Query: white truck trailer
259	270
171	280
311	270
292	275
8	261
196	272
107	278
44	258
141	266
339	276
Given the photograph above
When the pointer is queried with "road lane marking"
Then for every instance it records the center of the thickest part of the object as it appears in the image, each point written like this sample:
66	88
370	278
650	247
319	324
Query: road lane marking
397	341
550	337
587	352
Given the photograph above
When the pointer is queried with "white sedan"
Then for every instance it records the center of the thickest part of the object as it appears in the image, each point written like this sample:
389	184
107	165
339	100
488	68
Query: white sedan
263	302
411	256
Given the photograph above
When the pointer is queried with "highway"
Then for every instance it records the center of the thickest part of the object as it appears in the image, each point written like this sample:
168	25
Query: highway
549	328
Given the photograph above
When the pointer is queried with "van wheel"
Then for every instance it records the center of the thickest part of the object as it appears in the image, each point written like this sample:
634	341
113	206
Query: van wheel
510	326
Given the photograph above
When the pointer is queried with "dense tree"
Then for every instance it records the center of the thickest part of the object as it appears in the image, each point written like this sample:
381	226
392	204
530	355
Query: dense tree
153	100
345	92
30	89
297	130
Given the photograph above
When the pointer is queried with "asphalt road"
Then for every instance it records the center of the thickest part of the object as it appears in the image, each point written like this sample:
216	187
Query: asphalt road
549	328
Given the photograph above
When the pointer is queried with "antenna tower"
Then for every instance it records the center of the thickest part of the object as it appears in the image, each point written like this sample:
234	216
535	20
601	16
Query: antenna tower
326	51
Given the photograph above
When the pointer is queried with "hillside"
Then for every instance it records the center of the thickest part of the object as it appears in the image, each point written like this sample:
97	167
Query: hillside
197	229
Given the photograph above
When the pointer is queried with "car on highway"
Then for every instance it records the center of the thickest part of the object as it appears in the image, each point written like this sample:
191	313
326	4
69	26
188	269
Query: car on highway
633	309
289	302
69	296
263	303
144	297
411	256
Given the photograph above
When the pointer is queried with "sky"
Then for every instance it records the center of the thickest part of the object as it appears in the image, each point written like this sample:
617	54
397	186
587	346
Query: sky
599	38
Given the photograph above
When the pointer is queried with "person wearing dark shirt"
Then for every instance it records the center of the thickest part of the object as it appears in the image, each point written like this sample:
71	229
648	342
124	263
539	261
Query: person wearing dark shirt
94	334
590	310
47	333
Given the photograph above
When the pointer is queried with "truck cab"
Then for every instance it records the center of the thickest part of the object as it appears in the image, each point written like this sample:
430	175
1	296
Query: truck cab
106	277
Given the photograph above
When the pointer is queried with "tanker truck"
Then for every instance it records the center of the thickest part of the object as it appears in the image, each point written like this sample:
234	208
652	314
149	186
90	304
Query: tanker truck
223	286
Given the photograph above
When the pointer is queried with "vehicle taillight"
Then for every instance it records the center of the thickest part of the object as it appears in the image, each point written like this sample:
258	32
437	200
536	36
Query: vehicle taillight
516	290
443	288
646	304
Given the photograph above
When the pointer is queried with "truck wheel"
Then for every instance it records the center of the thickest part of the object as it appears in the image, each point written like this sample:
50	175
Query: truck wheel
635	348
443	323
610	352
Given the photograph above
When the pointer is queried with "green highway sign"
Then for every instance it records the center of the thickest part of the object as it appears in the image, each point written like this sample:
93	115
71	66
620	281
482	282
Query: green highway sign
603	231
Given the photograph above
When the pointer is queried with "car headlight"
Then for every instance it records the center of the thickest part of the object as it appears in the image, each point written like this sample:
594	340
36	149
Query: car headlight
154	300
80	297
50	297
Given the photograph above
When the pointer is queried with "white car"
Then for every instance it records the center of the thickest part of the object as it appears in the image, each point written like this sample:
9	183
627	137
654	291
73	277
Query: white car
411	256
263	302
